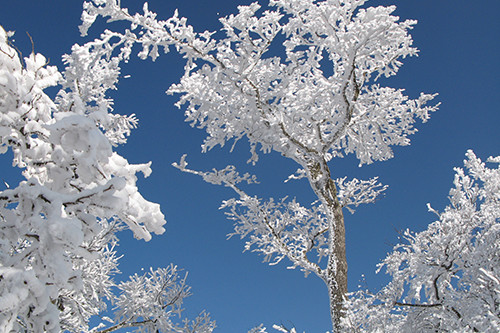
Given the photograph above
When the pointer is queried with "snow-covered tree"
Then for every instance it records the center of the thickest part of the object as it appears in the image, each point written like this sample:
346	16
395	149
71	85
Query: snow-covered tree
447	277
58	226
300	79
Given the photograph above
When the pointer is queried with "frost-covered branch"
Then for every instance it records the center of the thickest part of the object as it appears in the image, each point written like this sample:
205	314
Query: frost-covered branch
287	105
277	328
299	174
448	276
58	226
228	176
277	229
281	229
153	302
357	192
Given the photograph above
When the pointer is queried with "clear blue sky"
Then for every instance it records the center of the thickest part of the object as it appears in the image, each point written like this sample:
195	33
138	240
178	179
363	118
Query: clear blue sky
459	43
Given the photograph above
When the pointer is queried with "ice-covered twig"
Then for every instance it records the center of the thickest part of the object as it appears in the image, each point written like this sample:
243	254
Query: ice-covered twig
356	192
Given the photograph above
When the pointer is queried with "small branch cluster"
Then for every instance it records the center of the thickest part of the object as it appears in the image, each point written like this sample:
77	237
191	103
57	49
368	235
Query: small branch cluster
150	302
357	192
282	229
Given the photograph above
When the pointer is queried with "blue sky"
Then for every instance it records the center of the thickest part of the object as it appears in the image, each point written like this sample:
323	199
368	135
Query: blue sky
458	59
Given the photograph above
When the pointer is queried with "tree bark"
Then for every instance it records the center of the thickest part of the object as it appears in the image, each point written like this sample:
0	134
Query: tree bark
337	261
336	270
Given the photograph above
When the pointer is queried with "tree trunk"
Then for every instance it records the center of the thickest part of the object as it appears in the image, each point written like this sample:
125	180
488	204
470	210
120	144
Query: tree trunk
336	270
337	263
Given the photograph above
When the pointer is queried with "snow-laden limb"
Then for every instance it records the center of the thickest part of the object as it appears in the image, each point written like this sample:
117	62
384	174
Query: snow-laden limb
277	328
201	324
351	193
317	98
299	174
290	105
153	302
356	192
228	176
448	276
152	297
277	229
97	279
258	329
58	226
281	229
91	71
281	328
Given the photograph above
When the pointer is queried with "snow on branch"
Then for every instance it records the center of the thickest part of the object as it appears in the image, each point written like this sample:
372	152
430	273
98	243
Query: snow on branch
228	176
357	192
154	300
277	229
58	226
234	86
447	276
299	174
281	229
91	71
277	328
